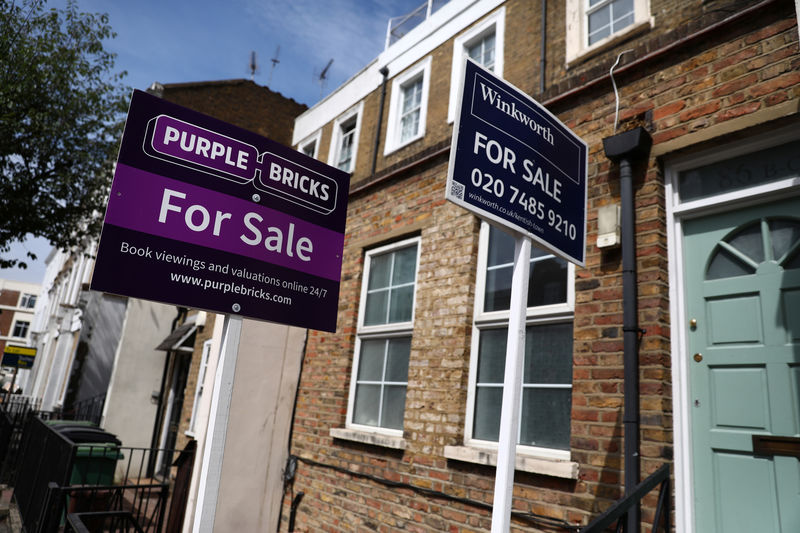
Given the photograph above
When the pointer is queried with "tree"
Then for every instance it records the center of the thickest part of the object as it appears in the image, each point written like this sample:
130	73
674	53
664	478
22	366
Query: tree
61	115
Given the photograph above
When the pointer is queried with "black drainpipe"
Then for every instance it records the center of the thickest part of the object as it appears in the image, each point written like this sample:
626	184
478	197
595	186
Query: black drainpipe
624	149
385	72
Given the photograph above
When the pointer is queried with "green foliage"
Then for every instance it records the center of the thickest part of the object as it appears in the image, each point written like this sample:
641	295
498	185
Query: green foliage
61	116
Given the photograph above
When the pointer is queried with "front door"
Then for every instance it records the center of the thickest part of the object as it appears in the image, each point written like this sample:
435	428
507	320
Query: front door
742	293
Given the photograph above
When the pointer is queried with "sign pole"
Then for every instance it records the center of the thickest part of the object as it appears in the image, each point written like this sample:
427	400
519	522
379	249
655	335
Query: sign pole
512	389
213	452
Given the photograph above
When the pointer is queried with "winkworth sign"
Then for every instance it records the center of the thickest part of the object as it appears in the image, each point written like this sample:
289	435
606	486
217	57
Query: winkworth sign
513	163
205	214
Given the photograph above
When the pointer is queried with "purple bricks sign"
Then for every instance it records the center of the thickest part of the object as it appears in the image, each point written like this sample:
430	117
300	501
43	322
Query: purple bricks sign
204	214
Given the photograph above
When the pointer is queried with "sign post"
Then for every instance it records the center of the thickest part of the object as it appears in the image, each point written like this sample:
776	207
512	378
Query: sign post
207	215
515	165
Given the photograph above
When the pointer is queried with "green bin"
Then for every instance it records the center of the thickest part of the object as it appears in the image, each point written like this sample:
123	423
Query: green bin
95	463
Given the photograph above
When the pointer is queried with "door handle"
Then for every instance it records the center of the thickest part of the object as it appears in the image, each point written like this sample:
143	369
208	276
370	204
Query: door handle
769	445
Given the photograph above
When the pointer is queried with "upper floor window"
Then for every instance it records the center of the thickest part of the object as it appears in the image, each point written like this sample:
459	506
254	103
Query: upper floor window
483	43
21	328
482	52
310	145
408	106
591	24
28	301
547	376
383	342
605	17
344	141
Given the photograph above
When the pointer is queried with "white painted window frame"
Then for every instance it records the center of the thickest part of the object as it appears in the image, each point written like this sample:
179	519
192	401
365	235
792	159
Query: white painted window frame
677	212
313	138
577	35
198	389
383	331
394	140
494	23
556	313
355	112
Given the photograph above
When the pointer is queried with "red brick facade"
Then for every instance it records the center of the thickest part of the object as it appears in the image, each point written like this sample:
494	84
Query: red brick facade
698	76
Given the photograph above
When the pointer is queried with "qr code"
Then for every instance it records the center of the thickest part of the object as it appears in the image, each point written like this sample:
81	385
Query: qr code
457	190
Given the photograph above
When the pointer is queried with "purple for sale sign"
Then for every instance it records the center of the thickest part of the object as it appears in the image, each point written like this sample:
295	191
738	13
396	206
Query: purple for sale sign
205	214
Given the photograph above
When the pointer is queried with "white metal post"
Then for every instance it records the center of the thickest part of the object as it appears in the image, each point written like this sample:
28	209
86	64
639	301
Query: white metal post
512	389
213	451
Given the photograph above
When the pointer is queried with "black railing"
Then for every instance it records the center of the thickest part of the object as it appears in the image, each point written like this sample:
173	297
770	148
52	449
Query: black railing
139	507
57	476
15	412
618	512
108	522
90	409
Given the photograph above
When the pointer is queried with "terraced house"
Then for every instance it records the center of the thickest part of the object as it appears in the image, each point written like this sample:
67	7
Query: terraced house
397	413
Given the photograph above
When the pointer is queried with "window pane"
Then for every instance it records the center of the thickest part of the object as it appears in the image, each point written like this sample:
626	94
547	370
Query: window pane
375	312
409	125
548	354
367	403
547	283
397	359
492	356
724	265
497	296
784	235
749	242
394	404
488	404
370	363
402	303
380	268
405	265
501	247
599	24
545	418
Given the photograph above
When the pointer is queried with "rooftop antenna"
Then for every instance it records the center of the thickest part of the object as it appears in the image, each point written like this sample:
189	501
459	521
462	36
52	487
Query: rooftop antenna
275	62
322	77
253	66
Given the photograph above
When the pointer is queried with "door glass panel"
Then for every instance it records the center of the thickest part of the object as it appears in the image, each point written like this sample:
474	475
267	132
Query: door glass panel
745	249
725	266
765	166
748	241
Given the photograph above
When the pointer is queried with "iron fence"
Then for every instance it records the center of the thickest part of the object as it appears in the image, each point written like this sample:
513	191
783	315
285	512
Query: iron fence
57	477
618	512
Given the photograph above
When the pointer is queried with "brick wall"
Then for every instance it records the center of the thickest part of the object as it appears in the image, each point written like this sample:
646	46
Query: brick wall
691	93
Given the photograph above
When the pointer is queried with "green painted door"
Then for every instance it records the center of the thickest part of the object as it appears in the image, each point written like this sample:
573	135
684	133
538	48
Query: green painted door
742	292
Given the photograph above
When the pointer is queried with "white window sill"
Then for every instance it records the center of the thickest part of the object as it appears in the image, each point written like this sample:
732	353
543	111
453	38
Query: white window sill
369	437
524	463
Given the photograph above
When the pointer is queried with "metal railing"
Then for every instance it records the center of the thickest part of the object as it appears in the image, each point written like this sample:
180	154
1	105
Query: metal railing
399	26
619	511
57	477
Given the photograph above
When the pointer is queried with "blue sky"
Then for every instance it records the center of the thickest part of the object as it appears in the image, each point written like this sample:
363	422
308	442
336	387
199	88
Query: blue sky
174	41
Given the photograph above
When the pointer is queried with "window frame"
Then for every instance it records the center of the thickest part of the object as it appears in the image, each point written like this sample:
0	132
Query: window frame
577	35
486	320
394	126
17	323
494	23
199	387
379	332
25	300
313	138
354	113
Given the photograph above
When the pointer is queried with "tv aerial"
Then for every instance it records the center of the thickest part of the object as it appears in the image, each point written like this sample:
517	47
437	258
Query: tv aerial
275	62
253	65
321	77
